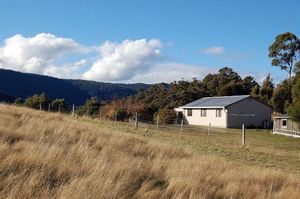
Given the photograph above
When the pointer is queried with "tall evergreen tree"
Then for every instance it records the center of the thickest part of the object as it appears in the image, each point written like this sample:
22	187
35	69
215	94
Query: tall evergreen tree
282	97
294	109
266	91
255	91
285	51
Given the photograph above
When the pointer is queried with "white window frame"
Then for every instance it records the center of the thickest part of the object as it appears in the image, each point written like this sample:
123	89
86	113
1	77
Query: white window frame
203	112
189	112
218	112
284	126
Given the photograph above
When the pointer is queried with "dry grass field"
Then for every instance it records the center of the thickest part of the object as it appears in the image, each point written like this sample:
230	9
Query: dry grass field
262	148
48	155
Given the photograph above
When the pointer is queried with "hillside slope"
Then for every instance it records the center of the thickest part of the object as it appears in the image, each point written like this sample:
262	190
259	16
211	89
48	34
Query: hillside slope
74	91
47	155
6	98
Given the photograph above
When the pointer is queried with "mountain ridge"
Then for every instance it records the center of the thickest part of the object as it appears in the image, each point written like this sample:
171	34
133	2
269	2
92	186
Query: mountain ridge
74	91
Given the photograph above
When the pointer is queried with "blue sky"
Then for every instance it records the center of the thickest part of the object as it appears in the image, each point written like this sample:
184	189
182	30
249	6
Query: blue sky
195	37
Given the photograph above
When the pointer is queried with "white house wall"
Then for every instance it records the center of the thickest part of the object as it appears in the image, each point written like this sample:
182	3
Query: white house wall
260	111
196	118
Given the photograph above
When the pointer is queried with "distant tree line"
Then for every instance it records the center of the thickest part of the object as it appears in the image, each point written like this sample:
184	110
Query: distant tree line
42	102
91	106
159	101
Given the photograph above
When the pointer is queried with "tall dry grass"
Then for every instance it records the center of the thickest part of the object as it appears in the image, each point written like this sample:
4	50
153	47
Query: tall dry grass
46	155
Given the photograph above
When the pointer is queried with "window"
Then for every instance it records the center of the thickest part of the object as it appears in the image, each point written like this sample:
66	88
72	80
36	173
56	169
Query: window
284	123
219	113
189	112
203	112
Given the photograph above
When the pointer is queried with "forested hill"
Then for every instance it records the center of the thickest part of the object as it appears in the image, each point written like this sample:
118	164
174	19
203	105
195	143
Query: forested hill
73	91
4	97
108	91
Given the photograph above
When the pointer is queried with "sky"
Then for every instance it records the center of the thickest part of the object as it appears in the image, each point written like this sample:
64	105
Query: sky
141	40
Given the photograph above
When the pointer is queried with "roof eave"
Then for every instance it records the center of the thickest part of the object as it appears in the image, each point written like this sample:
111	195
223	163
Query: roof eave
201	107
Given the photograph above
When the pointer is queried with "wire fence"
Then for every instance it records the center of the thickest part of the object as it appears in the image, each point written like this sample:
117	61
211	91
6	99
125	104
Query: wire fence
260	140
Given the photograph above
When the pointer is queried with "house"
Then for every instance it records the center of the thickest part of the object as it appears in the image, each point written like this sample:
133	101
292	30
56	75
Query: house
227	112
284	125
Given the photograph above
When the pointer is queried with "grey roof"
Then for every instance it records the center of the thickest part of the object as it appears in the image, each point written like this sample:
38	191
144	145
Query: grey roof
221	101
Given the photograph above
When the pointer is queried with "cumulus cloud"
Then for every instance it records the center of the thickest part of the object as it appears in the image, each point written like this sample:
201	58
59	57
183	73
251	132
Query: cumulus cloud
215	50
122	61
127	61
37	54
169	72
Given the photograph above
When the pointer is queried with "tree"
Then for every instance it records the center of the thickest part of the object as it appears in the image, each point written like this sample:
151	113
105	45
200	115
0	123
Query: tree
19	101
210	83
294	109
249	83
285	51
166	116
255	91
232	89
121	114
214	82
37	101
282	97
266	91
59	105
90	107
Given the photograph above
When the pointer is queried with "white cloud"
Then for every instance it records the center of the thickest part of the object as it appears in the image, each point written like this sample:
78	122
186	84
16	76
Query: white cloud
122	61
37	54
215	50
127	61
67	70
169	72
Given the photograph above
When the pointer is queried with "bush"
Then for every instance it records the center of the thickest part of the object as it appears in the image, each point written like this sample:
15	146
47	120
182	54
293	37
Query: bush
121	114
19	101
59	105
37	101
166	116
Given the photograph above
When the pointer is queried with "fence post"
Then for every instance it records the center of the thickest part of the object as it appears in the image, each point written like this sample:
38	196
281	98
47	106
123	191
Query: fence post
59	108
49	107
181	126
115	118
157	124
136	121
243	135
209	132
73	110
40	106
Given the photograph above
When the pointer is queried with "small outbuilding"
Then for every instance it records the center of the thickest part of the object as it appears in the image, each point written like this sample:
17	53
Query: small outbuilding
227	112
284	125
